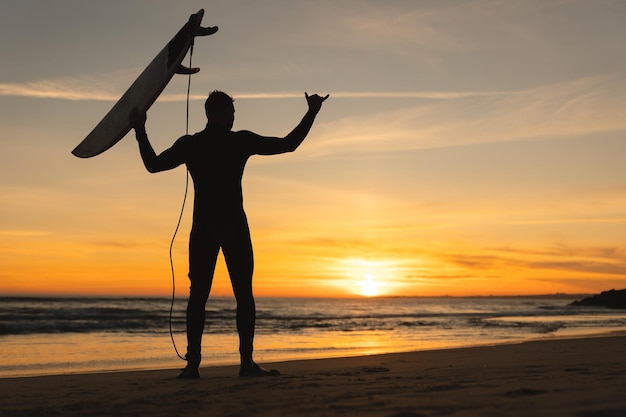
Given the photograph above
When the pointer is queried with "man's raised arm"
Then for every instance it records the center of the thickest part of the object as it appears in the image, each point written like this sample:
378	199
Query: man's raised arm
152	161
291	142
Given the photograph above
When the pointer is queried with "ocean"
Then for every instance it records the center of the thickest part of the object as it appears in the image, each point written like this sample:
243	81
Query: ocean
42	336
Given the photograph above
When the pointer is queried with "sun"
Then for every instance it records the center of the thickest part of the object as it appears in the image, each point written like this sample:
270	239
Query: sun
367	277
369	286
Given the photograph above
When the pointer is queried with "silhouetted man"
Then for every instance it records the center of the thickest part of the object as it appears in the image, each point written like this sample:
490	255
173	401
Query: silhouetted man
215	158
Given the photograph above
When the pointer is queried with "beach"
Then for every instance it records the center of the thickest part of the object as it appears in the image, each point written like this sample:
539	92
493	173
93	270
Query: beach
50	336
560	377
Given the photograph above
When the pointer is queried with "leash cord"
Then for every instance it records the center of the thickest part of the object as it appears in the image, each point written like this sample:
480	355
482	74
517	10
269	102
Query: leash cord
180	217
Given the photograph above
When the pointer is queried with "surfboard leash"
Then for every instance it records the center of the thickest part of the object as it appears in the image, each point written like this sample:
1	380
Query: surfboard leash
182	211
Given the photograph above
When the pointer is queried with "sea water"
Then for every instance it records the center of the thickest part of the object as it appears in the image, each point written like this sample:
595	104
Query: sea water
40	336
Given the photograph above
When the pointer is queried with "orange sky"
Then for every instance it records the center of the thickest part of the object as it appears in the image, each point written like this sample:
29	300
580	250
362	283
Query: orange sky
468	147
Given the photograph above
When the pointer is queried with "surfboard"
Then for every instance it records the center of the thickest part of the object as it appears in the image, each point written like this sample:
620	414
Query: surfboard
145	90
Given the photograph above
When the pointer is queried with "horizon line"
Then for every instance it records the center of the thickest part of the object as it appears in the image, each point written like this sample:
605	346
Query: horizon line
129	295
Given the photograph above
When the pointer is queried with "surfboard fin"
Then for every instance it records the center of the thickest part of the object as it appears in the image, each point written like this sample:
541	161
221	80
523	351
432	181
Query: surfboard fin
186	70
200	31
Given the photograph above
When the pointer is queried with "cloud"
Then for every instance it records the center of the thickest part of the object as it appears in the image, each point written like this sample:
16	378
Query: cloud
448	26
574	260
102	87
107	88
434	119
120	244
62	89
571	108
589	220
24	233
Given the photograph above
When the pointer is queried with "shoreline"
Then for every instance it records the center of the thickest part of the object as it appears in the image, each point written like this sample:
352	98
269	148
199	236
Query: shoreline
42	338
210	364
574	376
597	333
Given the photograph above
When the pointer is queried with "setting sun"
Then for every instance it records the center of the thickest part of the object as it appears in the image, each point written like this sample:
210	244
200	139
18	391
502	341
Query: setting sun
369	286
368	278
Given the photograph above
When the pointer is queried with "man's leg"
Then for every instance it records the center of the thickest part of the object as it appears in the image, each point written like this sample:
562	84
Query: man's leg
203	251
240	262
239	259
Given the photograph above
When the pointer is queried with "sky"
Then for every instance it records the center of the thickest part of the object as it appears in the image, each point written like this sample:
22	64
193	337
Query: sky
468	147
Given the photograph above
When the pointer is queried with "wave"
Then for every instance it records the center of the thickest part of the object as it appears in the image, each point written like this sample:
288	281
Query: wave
23	315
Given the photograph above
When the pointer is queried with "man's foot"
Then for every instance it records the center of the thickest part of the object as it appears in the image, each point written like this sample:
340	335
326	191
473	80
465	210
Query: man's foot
254	370
188	372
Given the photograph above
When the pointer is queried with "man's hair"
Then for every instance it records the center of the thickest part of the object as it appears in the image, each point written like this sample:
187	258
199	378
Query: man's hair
217	102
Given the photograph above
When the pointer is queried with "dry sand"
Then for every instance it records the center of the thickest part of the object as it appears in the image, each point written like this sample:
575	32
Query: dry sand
571	377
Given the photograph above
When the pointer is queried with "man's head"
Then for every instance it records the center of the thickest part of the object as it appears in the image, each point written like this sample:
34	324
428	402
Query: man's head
220	110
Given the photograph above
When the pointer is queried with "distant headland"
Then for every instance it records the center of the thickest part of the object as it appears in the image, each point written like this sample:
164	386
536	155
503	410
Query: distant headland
608	299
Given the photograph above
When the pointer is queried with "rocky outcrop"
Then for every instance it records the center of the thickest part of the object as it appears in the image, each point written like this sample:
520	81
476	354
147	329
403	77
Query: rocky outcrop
609	299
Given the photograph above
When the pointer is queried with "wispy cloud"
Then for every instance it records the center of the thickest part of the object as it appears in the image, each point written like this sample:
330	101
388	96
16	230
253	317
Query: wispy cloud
576	260
101	87
55	89
572	108
433	119
106	88
23	233
590	220
432	95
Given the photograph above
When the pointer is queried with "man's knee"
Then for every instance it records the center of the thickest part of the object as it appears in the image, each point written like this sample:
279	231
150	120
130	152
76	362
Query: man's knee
199	288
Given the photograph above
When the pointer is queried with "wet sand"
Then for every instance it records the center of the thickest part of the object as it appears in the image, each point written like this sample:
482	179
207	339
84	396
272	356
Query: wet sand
583	377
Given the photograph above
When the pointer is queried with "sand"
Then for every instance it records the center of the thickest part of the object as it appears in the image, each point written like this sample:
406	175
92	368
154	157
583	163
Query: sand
568	377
